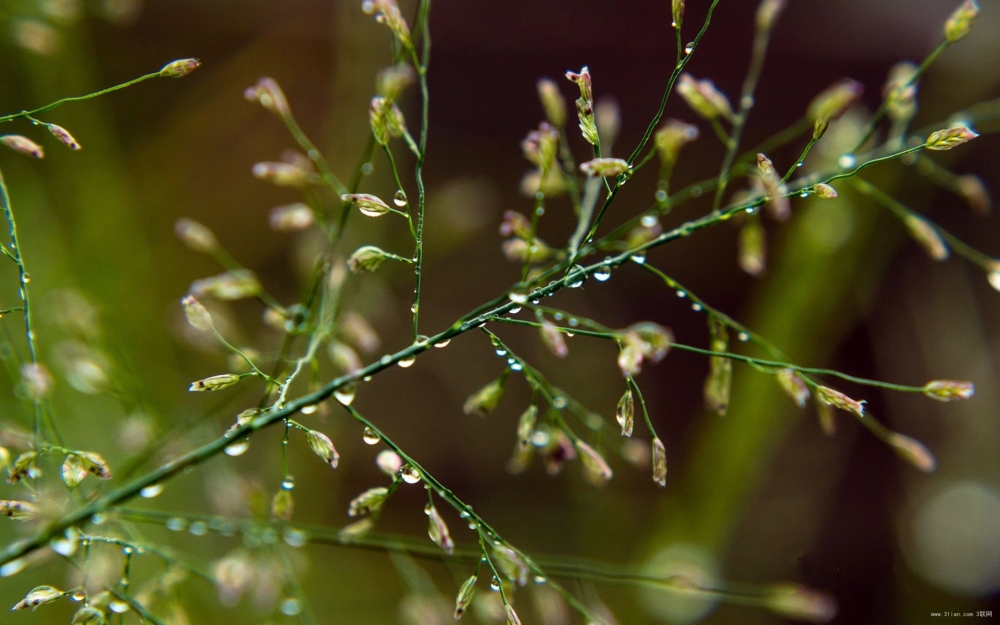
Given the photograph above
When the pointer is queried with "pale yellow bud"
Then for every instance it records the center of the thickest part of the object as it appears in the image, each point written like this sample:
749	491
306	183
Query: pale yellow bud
268	94
961	21
949	138
927	236
196	236
948	390
553	102
180	68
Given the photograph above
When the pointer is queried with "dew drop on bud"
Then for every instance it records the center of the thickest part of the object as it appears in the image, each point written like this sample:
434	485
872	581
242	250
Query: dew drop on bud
238	448
409	474
400	198
371	437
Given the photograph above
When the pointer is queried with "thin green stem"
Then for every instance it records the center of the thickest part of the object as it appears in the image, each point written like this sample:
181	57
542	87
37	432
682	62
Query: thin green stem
421	67
80	98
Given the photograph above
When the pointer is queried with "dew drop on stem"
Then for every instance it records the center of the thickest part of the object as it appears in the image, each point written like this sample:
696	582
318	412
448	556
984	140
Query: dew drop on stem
407	362
400	199
238	448
370	436
345	394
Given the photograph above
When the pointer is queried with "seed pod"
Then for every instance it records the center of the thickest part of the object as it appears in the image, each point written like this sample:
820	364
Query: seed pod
552	101
214	383
950	137
553	339
63	136
838	400
23	466
900	92
778	204
95	464
464	597
585	105
268	94
752	247
512	618
23	145
541	147
322	446
913	451
927	236
947	390
369	501
793	386
394	79
367	258
604	167
833	102
291	217
596	468
526	426
197	315
18	510
511	564
677	13
659	463
824	191
283	174
961	21
437	529
231	285
704	98
369	205
387	12
974	191
825	416
39	596
73	471
485	399
669	140
717	386
196	236
180	68
519	250
625	413
282	505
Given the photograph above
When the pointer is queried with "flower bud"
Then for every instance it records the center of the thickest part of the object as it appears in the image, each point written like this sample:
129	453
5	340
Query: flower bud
677	12
961	21
630	355
24	466
485	399
366	258
322	446
180	68
231	285
282	174
515	224
282	505
437	529
511	564
913	451
369	205
719	381
394	79
625	413
553	339
269	95
541	146
196	236
356	530
778	204
800	603
824	191
369	501
704	98
519	250
386	120
671	137
36	381
95	464
974	191
838	400
88	615
214	383
197	315
768	12
388	462
464	597
511	615
39	596
526	426
659	463
63	136
753	247
949	138
604	167
585	105
387	12
900	95
552	101
291	217
73	471
833	102
793	385
947	390
559	450
18	510
596	468
23	145
927	236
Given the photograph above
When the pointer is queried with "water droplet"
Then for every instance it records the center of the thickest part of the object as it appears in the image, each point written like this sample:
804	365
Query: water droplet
696	307
78	595
515	310
575	285
660	196
238	448
370	436
574	322
310	409
750	210
13	567
558	402
118	607
473	525
804	194
681	294
649	220
847	161
368	378
673	24
176	524
367	169
515	365
294	537
570	335
151	491
558	316
689	48
345	394
539	438
288	483
198	528
799	164
26	278
517	298
407	362
539	579
384	360
743	336
534	301
540	211
414	309
638	258
443	343
746	101
290	607
99	518
409	474
602	274
400	198
696	191
495	584
501	352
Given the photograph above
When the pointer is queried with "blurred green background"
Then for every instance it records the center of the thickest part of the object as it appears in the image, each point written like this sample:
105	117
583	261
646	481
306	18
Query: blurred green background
758	496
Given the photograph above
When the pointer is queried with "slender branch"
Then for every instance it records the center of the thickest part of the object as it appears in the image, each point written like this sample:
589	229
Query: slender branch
421	67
